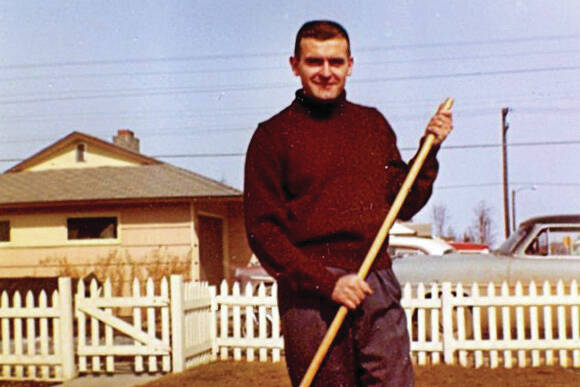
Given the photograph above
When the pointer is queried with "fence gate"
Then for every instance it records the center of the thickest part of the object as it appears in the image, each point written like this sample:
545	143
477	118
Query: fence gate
125	330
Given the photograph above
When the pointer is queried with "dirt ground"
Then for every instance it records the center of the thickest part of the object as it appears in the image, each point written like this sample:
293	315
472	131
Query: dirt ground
230	373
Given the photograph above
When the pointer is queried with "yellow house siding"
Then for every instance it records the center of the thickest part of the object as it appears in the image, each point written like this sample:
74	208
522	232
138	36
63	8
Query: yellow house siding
94	157
240	252
145	233
156	225
50	229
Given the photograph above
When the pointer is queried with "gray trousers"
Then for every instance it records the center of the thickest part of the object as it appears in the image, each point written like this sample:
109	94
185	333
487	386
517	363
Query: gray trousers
370	349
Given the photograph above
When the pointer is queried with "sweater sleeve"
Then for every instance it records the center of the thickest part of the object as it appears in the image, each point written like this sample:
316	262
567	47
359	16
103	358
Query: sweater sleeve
266	218
397	172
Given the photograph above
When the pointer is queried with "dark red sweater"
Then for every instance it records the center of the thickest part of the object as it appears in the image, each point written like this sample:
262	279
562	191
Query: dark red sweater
319	181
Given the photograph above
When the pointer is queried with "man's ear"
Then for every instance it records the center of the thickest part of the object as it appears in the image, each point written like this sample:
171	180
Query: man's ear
294	64
350	64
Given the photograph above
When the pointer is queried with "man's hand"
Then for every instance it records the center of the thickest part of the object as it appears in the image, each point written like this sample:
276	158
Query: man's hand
350	291
440	125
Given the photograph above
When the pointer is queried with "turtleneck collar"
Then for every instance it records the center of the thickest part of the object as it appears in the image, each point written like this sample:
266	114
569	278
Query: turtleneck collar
317	107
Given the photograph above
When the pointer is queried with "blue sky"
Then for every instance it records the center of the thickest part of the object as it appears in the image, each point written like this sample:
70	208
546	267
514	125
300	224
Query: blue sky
193	78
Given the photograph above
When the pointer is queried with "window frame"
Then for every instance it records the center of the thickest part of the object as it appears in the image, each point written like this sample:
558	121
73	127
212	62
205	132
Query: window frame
111	240
7	221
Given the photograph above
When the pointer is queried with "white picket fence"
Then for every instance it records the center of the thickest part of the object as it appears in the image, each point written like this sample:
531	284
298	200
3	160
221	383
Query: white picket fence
494	324
183	324
111	336
37	338
248	322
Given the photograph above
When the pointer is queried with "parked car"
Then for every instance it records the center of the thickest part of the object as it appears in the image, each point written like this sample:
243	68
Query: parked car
403	242
401	246
542	248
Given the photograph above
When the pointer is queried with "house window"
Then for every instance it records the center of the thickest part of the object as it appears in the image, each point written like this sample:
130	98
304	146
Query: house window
4	231
81	153
92	228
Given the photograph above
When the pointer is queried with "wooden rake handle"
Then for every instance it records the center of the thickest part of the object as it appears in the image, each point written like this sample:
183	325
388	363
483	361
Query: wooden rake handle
373	251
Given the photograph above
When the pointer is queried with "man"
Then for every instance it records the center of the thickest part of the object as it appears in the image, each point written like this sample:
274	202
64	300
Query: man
320	177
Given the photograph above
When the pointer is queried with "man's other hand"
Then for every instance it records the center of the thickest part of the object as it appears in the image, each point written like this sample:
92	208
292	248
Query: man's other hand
440	125
350	291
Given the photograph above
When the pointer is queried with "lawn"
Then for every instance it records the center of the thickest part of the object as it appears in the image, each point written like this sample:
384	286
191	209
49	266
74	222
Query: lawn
231	373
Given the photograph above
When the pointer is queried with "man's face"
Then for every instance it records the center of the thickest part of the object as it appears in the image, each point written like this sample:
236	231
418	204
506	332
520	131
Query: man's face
323	66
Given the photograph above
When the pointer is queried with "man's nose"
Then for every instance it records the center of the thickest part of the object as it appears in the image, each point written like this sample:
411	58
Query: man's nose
326	69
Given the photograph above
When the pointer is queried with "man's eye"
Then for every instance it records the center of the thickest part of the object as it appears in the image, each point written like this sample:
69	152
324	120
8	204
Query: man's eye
336	62
314	61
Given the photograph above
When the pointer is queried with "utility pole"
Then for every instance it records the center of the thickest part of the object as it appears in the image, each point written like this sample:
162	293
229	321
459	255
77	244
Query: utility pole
506	209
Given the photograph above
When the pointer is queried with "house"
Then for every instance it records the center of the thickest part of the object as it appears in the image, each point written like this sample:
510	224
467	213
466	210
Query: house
85	205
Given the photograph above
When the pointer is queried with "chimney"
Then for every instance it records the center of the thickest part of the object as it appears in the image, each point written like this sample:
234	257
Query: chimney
125	138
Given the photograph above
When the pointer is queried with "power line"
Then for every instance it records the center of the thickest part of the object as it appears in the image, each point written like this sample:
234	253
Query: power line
142	92
480	185
406	148
214	70
285	53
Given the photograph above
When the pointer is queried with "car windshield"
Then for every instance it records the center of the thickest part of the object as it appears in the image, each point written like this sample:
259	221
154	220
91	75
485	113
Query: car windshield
510	244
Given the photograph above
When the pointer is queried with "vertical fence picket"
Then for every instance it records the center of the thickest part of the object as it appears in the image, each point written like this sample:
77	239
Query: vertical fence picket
81	325
275	323
447	317
4	304
421	331
476	325
151	325
166	359
19	370
95	332
548	335
562	354
435	323
109	360
534	330
30	335
262	321
249	322
575	323
66	337
56	334
492	326
224	320
42	303
408	296
212	322
138	324
237	320
461	324
506	326
520	321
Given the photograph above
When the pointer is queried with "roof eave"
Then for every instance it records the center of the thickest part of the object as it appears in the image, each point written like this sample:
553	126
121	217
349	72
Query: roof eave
101	202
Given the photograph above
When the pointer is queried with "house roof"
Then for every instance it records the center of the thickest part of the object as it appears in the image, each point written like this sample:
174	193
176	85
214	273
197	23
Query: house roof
107	183
64	142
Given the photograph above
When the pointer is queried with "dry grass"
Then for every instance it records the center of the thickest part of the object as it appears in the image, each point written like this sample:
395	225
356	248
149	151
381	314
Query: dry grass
230	373
121	268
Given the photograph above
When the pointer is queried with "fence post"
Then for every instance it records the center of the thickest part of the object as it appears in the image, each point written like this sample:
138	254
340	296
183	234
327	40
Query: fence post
213	322
447	316
66	328
177	324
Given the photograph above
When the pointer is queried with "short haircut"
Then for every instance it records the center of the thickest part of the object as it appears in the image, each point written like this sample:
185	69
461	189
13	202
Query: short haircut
321	30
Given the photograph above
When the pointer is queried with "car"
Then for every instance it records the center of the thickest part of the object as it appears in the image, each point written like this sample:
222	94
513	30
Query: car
403	242
545	248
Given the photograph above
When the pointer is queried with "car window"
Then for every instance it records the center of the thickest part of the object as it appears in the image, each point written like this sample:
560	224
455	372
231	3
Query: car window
556	241
539	246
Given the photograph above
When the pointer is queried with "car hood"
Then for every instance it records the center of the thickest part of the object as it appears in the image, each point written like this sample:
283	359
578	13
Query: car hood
464	268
